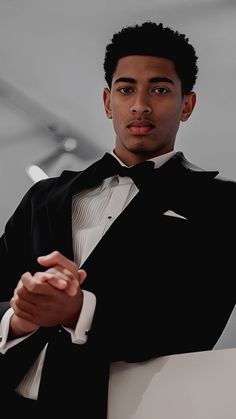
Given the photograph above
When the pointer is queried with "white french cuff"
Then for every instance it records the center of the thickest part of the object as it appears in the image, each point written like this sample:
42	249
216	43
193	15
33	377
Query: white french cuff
79	334
4	330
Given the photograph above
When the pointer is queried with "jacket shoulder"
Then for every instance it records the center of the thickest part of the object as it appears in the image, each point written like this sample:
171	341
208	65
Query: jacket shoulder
43	188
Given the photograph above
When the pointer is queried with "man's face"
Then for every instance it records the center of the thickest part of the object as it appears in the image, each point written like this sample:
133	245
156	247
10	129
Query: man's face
146	106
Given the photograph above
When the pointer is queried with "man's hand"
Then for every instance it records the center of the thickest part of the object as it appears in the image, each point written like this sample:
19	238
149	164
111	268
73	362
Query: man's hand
48	298
62	273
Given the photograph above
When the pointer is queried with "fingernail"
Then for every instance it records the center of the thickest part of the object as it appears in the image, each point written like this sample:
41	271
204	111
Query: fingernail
43	256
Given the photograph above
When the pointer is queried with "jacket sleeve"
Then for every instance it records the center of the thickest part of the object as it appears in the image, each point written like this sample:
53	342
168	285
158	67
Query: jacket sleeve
17	239
15	259
15	363
4	306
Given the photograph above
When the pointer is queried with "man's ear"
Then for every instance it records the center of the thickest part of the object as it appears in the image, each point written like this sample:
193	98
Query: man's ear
107	102
189	102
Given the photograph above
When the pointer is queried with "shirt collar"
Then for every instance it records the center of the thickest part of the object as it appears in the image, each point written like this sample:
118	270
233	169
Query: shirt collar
159	160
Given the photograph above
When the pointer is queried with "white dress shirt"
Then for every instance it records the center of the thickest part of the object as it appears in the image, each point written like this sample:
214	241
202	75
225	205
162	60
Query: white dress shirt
93	212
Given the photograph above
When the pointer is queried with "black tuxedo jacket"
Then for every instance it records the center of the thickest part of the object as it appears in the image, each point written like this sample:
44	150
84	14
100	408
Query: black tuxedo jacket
163	283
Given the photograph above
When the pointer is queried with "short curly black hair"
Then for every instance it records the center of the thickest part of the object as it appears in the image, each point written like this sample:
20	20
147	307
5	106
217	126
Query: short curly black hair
151	39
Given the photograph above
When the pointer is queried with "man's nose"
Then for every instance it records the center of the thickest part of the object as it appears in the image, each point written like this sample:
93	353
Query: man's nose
141	105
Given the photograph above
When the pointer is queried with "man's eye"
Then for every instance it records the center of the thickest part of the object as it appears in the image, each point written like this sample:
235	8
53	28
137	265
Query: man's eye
125	90
161	90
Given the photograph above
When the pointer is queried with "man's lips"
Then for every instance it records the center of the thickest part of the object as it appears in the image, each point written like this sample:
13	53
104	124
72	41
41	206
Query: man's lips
140	127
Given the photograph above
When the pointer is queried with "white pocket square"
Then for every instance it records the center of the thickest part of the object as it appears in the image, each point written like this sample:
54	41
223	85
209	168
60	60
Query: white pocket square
174	214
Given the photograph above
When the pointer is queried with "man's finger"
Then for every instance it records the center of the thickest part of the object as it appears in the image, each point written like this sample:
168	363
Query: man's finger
56	258
82	275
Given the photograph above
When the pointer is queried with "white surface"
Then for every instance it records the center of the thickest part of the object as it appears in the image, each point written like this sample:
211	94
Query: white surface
200	385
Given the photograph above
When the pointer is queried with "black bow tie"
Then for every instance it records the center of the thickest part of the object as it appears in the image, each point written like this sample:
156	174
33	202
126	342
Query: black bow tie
140	173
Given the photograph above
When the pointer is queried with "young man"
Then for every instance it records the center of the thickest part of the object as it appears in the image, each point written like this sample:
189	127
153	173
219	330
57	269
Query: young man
127	260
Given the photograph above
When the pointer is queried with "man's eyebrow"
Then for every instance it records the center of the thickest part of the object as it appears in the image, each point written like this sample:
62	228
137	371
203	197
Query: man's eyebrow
151	80
125	80
160	79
